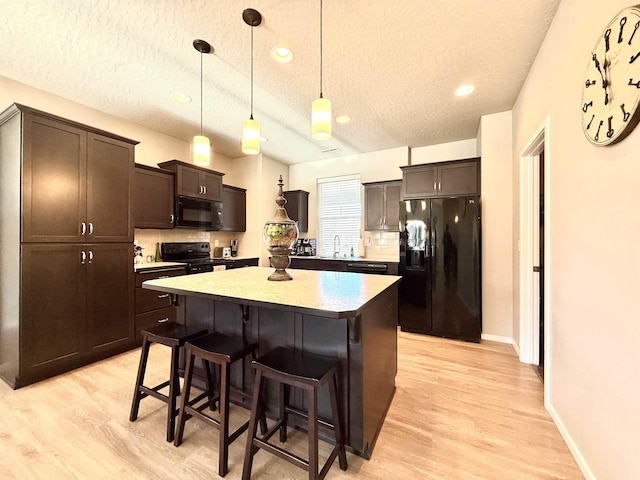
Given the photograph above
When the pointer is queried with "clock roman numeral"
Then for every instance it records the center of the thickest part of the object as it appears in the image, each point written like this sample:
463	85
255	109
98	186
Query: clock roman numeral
634	84
606	40
633	59
610	130
634	32
588	83
590	122
625	115
623	22
586	106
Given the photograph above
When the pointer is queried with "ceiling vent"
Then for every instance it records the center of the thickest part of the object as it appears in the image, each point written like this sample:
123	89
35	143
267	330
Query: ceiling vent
330	150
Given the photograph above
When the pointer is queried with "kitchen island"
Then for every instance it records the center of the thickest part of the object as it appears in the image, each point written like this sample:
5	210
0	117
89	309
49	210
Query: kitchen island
350	316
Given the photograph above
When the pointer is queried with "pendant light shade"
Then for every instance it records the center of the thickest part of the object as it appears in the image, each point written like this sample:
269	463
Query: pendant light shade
321	119
201	151
201	145
250	137
250	127
321	107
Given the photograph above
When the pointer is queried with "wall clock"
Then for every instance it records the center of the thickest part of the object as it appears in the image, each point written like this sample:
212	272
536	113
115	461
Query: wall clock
611	90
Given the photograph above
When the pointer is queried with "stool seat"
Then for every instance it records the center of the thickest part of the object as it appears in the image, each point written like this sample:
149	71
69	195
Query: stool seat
221	350
173	335
309	372
305	367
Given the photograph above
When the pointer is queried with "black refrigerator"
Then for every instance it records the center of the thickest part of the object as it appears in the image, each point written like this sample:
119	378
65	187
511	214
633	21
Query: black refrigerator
440	291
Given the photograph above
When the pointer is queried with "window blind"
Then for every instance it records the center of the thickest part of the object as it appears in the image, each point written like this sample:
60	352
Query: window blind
339	213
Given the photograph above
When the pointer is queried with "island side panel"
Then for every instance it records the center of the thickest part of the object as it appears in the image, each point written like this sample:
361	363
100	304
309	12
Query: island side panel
376	354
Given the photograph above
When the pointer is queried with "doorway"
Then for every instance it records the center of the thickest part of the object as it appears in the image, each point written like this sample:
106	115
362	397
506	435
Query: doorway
534	306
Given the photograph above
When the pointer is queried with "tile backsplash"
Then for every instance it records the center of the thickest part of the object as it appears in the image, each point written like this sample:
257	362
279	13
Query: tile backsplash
147	238
381	245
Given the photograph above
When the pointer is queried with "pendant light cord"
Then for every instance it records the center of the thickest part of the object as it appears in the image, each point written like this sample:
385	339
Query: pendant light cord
320	48
251	73
201	99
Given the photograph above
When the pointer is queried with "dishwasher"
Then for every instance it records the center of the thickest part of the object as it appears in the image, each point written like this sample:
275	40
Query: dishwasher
364	267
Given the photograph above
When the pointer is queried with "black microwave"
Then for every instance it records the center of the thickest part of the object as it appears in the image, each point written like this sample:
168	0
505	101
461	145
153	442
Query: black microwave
198	213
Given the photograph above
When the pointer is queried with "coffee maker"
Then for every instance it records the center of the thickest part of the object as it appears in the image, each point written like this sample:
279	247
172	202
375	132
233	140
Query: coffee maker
234	248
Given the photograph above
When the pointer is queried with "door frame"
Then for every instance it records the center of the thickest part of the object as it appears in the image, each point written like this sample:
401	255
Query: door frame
529	229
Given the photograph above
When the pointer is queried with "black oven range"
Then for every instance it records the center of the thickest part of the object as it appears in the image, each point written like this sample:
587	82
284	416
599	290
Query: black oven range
197	255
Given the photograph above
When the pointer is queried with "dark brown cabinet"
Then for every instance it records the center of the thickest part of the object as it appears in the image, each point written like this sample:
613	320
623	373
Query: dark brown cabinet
153	198
297	207
381	203
153	307
67	255
441	179
234	209
193	181
77	184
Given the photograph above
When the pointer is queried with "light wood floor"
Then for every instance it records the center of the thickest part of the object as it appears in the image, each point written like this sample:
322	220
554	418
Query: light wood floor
461	411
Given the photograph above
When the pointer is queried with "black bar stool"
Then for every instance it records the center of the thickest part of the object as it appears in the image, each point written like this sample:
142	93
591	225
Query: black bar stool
309	372
175	336
222	350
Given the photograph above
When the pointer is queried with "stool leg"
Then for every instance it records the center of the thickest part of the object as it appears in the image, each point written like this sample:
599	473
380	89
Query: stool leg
184	398
250	451
337	421
263	410
209	380
174	391
284	416
223	456
137	394
312	395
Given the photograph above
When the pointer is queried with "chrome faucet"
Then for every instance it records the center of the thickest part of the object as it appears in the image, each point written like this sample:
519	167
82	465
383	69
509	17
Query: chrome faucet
336	251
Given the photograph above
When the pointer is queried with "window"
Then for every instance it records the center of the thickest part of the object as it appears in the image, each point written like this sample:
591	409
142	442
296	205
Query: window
339	212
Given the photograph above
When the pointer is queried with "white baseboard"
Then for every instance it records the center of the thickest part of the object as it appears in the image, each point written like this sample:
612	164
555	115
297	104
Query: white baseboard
582	464
496	338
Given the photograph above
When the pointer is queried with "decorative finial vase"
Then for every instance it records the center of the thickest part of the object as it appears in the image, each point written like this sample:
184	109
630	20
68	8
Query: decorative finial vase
280	234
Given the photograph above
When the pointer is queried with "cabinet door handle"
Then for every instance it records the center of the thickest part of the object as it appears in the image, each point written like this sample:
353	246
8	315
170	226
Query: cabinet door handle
435	185
90	256
163	276
171	218
166	295
83	257
205	190
90	228
83	228
439	185
201	189
163	320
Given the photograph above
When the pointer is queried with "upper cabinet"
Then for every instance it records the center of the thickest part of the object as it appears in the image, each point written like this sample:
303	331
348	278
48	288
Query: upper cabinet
153	197
193	181
381	204
443	179
297	207
234	205
77	181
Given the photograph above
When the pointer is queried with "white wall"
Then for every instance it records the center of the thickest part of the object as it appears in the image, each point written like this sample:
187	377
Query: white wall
594	230
494	140
445	151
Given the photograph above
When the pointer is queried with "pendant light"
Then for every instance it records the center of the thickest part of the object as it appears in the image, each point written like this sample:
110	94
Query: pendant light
250	127
201	145
321	107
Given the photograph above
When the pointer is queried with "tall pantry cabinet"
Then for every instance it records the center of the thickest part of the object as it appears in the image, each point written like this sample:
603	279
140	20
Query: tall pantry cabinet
66	245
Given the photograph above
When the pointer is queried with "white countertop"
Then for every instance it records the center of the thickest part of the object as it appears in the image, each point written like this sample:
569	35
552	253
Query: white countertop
332	294
150	265
348	259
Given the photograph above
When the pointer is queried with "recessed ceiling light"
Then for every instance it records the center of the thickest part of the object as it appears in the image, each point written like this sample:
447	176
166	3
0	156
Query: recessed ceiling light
264	139
281	54
343	119
464	90
181	97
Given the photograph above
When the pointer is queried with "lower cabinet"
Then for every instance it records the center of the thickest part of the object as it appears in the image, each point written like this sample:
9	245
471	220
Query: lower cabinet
153	307
76	305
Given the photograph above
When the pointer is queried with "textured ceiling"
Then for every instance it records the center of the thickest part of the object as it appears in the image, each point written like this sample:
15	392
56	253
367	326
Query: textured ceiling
390	65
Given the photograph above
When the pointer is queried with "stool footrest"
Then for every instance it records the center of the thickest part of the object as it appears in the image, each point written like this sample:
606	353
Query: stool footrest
285	455
154	392
303	414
